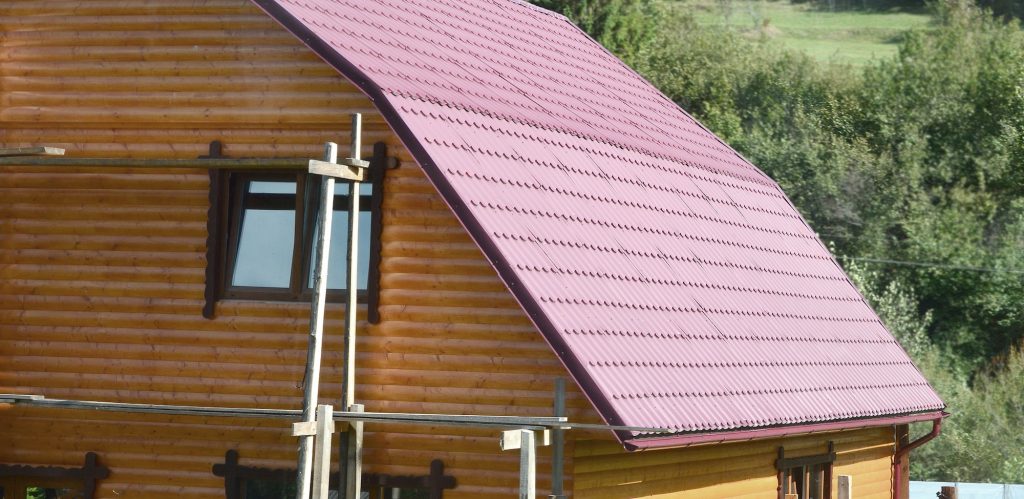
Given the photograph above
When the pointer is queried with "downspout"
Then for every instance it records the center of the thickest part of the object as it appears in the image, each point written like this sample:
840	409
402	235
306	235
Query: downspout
902	452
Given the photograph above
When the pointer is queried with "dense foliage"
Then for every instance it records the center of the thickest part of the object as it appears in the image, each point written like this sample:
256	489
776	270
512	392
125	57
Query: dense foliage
622	26
912	169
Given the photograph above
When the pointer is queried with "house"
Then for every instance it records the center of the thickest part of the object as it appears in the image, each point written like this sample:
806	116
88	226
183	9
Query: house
551	215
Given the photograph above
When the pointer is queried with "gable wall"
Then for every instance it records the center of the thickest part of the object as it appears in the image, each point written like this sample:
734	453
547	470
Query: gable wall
734	470
102	271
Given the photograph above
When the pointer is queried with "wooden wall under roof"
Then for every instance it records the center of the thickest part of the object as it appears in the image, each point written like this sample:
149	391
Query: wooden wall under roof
733	470
102	271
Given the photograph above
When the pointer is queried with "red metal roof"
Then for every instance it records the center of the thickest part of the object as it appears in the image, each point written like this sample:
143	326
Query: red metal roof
674	279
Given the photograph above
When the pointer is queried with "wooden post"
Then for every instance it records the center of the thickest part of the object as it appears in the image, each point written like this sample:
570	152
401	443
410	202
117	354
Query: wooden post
948	492
311	381
354	468
527	465
353	270
558	444
354	438
526	441
845	487
322	456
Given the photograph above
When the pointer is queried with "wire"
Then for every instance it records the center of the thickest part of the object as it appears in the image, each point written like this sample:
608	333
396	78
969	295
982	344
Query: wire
935	265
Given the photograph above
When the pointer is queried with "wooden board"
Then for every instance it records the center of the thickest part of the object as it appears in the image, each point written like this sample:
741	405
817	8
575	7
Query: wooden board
30	151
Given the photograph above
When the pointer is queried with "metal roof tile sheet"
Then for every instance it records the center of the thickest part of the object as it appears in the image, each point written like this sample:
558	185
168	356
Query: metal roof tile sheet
675	280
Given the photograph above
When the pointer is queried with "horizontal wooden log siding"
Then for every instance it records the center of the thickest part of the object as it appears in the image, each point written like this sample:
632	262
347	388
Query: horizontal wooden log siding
733	470
102	271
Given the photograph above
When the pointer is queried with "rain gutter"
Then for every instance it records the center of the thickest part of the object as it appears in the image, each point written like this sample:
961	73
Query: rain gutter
782	431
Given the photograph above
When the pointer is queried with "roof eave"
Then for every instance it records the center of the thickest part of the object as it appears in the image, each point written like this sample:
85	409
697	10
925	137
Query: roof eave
692	439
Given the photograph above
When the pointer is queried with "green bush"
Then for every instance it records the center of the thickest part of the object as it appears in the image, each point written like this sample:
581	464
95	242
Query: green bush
624	27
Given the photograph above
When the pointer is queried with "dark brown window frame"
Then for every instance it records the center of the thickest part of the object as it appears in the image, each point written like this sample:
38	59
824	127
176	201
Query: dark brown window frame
784	467
87	476
223	232
235	475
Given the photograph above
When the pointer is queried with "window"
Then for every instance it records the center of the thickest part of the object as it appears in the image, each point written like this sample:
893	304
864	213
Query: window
808	477
51	482
248	482
262	234
272	229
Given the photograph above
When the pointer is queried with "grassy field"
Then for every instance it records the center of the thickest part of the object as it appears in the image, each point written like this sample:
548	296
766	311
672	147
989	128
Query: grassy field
853	37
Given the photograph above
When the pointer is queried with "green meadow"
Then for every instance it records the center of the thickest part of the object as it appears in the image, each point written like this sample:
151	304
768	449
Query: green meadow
853	36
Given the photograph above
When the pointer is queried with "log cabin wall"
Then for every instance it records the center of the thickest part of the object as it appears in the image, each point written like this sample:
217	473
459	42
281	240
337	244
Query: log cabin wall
102	270
732	470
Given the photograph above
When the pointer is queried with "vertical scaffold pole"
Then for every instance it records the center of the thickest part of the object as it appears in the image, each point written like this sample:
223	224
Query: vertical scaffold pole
527	465
311	380
322	456
354	437
558	444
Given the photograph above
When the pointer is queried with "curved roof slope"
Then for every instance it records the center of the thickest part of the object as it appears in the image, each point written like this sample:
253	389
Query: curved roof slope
674	279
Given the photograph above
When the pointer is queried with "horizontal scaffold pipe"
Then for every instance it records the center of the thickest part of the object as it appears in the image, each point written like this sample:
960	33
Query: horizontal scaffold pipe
506	422
195	164
205	163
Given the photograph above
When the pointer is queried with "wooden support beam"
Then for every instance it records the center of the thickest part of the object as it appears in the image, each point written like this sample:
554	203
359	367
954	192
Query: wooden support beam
513	439
558	442
352	260
322	456
311	381
354	457
526	441
304	429
339	170
30	151
845	483
354	441
527	466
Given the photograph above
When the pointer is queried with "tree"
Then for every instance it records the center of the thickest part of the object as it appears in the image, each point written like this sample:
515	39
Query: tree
624	27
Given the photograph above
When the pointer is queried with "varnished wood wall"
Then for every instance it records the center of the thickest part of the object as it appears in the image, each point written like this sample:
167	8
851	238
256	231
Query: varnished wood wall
102	271
734	470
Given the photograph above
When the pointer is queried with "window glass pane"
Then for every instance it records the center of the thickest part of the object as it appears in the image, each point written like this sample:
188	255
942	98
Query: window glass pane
271	187
407	494
266	238
51	493
269	489
337	267
341	189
